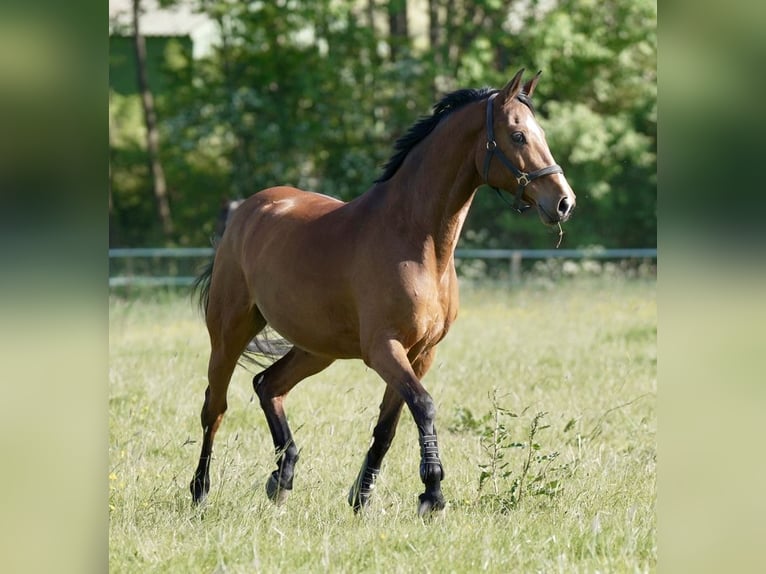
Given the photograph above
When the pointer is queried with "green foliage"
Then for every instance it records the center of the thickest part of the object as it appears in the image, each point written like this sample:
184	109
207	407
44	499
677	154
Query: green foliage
169	60
309	94
599	103
515	465
585	353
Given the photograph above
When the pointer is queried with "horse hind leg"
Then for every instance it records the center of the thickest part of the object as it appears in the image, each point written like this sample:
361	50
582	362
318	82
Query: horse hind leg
271	386
231	327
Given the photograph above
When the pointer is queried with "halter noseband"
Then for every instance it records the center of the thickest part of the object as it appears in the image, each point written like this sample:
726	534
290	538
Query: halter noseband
522	178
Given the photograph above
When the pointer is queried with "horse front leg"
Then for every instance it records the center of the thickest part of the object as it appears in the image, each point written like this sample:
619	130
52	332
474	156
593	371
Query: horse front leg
383	435
390	361
431	469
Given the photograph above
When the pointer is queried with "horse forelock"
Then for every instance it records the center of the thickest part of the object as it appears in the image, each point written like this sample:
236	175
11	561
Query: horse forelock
526	100
425	125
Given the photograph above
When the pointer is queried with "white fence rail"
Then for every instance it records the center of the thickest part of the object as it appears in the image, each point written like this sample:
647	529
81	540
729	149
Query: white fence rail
126	277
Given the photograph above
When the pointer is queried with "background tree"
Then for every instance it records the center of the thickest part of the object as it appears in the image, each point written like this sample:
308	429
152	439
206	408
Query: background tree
152	133
307	93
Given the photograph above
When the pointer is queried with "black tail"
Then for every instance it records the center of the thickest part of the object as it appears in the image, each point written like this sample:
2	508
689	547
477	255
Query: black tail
201	286
265	348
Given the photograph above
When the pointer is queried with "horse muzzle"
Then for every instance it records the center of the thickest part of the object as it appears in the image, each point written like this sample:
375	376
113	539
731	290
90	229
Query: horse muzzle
557	210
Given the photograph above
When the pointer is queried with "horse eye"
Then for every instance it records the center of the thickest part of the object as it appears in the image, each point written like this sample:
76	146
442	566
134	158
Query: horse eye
518	138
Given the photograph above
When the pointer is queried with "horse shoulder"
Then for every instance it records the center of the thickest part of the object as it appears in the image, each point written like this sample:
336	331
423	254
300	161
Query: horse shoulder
418	304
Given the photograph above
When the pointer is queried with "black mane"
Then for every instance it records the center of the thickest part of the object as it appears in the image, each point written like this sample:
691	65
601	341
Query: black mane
425	125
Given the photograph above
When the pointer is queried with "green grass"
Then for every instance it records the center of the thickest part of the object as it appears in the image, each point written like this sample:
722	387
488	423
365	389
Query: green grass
582	351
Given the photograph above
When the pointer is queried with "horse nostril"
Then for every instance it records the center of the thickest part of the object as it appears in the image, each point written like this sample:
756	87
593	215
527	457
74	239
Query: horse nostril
564	206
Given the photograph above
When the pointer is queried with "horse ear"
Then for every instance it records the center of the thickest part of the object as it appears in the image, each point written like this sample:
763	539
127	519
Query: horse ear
513	87
529	87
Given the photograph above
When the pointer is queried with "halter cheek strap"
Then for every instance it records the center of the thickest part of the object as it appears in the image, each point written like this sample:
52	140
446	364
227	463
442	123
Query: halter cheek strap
522	178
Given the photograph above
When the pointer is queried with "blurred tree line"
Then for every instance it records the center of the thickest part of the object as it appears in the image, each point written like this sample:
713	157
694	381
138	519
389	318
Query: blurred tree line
313	93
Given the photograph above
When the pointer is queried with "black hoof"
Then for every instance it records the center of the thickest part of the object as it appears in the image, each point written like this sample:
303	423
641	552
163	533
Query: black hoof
357	499
361	491
277	493
199	490
430	503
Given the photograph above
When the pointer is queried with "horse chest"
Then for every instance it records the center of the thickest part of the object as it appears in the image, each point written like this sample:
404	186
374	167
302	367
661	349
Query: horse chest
432	311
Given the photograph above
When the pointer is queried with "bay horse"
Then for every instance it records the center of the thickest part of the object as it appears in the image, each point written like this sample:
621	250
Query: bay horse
371	279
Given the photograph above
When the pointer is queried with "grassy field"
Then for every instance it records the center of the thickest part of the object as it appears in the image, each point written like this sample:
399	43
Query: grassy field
583	352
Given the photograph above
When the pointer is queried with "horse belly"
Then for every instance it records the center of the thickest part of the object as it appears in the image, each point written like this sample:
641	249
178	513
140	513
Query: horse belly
306	302
312	323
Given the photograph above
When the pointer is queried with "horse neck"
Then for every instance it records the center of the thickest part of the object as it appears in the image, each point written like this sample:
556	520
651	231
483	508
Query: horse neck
434	187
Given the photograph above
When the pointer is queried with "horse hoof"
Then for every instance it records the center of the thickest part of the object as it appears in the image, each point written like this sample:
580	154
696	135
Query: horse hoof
276	493
198	500
198	491
429	504
356	499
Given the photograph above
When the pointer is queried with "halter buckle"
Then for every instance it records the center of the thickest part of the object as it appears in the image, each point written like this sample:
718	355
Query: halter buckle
523	179
491	145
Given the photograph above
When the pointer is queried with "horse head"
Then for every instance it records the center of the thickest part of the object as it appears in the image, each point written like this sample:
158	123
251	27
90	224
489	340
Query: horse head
525	164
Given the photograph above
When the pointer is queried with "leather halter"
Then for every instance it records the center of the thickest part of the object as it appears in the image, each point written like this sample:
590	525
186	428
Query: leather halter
522	178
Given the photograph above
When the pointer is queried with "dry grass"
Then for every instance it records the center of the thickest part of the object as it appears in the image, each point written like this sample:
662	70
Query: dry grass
582	351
